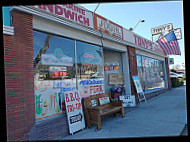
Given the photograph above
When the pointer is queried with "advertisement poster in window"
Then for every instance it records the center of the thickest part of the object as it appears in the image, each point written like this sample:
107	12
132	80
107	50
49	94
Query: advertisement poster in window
74	110
49	97
90	87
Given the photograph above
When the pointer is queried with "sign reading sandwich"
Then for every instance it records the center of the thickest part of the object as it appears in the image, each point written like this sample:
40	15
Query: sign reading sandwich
72	12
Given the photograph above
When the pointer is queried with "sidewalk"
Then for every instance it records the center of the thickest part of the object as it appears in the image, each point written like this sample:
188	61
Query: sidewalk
163	115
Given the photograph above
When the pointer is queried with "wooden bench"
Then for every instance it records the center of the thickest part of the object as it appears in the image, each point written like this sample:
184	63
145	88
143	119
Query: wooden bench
93	114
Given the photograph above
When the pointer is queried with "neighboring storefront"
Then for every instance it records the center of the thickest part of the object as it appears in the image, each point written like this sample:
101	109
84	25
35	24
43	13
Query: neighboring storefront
66	47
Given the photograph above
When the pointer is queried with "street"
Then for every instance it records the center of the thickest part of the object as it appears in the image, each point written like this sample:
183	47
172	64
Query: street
163	115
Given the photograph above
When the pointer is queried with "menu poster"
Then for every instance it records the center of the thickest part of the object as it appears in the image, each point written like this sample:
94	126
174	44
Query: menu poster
116	79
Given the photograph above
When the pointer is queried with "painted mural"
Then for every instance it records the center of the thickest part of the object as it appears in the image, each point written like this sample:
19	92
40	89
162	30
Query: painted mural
49	95
90	87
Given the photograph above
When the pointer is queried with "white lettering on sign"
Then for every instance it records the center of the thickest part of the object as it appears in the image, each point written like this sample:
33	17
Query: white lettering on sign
70	11
161	29
178	33
107	26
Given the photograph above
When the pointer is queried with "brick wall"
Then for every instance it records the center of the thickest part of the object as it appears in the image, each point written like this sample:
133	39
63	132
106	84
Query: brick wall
18	61
19	86
49	129
168	73
132	69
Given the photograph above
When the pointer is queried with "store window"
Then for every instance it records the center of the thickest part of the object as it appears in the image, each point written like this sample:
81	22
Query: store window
54	72
151	73
140	70
89	69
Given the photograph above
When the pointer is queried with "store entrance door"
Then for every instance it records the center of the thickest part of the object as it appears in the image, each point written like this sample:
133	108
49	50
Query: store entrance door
112	66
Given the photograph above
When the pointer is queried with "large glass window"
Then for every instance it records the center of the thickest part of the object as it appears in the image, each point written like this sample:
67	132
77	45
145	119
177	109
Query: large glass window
54	72
53	57
150	72
89	69
140	70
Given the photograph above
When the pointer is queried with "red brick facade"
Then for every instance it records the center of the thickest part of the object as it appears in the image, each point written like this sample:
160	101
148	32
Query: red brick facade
132	68
168	73
19	74
19	90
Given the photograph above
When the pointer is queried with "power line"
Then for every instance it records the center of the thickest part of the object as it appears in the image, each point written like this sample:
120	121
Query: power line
96	7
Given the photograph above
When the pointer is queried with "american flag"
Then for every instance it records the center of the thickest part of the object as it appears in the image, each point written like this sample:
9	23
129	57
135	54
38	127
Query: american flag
169	44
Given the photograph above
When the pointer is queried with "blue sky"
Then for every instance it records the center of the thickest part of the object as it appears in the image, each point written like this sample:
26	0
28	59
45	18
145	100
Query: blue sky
127	14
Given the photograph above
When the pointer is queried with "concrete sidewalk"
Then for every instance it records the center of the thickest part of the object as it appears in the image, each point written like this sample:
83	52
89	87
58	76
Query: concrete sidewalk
163	115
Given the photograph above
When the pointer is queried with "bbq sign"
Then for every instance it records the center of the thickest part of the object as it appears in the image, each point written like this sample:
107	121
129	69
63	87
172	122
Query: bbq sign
74	111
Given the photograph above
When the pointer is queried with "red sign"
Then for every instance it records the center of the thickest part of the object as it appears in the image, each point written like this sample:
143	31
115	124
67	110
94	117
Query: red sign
96	89
57	74
107	26
73	97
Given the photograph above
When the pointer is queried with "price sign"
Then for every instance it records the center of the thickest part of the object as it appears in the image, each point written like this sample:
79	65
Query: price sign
74	111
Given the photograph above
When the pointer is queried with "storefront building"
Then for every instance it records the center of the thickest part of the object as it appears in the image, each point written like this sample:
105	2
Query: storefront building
49	49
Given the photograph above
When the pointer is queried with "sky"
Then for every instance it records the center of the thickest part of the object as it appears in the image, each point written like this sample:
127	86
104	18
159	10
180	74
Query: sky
157	13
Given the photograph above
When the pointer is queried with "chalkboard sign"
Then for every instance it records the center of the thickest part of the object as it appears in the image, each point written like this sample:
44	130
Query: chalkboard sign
116	79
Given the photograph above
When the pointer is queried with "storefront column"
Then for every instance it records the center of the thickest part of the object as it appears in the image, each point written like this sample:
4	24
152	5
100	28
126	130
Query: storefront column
132	68
19	77
126	73
168	73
